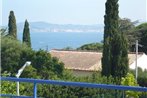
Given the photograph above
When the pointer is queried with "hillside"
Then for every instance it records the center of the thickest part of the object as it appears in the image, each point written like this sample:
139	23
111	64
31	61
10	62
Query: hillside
48	27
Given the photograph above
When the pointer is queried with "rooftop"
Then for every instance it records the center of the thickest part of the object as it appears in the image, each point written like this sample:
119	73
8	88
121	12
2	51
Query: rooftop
84	60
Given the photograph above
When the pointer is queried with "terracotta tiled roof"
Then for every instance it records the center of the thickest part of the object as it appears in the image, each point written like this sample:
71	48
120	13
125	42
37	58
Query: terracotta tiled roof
79	60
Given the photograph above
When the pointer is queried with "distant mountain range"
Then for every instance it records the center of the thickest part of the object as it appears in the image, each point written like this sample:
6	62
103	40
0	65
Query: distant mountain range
48	27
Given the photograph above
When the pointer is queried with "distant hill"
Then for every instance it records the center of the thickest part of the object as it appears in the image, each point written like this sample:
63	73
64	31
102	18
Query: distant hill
48	27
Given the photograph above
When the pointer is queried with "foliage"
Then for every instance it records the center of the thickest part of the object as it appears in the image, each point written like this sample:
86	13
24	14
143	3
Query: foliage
142	30
74	92
142	81
142	77
10	52
47	67
12	28
8	87
137	33
115	56
92	47
3	32
119	59
68	48
106	59
26	34
80	92
44	66
16	54
126	26
133	33
129	80
30	72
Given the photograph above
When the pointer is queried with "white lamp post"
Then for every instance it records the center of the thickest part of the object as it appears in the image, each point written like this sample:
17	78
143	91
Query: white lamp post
136	67
19	73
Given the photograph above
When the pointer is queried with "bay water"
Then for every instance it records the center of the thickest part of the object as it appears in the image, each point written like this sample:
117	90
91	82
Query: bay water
60	40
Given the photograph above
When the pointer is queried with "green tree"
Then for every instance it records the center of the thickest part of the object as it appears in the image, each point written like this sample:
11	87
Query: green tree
142	30
10	52
115	58
29	72
26	34
92	47
126	26
3	32
47	67
129	80
68	48
8	87
142	76
15	54
12	28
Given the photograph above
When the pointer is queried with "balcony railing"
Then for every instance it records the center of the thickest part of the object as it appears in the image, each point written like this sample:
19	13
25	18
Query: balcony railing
76	84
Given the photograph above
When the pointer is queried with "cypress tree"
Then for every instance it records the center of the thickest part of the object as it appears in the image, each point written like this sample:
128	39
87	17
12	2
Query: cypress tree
26	34
119	56
115	55
12	28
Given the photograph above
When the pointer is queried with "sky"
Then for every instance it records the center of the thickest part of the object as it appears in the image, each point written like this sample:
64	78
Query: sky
69	11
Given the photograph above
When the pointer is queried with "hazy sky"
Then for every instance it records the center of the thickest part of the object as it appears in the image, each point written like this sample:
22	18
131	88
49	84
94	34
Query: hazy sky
69	11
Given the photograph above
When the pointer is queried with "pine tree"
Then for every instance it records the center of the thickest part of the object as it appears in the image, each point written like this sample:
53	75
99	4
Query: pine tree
115	55
12	28
26	34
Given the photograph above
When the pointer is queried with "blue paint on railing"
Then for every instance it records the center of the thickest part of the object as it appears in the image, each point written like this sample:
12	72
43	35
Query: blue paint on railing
14	96
35	90
77	84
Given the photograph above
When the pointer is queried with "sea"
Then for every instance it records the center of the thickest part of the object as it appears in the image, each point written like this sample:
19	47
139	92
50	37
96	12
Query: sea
60	40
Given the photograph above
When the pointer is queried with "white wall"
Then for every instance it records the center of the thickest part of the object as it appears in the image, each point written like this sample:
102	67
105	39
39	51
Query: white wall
141	62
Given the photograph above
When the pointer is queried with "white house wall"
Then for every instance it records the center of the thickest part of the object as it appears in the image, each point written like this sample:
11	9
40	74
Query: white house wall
141	62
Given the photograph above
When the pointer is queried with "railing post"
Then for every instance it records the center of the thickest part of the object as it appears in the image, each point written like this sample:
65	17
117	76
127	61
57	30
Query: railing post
17	86
35	90
123	94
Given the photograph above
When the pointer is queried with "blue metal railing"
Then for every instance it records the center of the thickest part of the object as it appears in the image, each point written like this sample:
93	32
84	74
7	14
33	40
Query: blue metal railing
77	84
14	96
